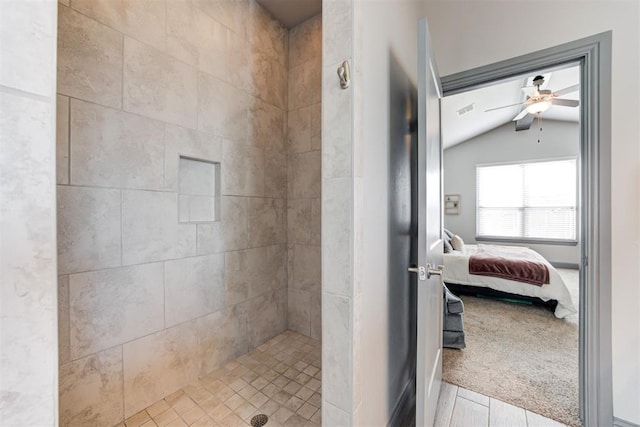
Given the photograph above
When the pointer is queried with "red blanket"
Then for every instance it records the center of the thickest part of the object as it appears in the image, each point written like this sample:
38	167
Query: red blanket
509	262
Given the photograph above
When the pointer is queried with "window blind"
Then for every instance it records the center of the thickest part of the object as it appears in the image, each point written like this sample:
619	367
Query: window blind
527	200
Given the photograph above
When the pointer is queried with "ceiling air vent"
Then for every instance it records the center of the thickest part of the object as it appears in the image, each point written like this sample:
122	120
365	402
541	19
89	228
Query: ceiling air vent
466	110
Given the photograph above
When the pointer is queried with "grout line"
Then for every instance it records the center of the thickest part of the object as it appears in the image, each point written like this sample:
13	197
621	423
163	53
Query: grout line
197	240
179	324
164	295
68	139
175	192
166	25
174	259
121	228
453	409
123	396
120	110
100	187
198	99
122	75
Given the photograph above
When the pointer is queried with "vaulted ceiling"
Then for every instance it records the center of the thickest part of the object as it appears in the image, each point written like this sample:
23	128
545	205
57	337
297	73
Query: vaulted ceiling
464	116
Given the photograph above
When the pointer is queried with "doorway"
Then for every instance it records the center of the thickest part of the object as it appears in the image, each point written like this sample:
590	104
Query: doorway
594	55
511	186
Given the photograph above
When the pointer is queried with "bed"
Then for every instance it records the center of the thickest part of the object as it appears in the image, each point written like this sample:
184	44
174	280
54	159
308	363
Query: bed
456	273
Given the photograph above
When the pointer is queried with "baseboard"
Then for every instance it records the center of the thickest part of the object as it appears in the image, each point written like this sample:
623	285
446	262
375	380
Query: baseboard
406	403
617	422
569	265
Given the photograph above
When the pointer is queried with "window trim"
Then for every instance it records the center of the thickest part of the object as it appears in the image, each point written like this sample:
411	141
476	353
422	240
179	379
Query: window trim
501	239
523	239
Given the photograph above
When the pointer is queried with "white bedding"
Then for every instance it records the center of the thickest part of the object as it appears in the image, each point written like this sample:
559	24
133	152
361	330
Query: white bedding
456	270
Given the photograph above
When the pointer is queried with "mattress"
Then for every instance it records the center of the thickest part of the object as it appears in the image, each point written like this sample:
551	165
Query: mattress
456	270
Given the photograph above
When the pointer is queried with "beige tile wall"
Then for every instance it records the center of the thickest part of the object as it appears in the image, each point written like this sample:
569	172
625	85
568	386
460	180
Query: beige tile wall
304	179
148	304
340	211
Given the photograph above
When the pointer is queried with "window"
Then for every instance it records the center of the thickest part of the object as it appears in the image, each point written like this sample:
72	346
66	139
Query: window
529	201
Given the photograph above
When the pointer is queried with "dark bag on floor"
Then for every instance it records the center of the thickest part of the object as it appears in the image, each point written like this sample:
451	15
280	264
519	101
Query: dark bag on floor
453	328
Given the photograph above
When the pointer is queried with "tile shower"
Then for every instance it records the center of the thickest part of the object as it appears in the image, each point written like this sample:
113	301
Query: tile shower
151	299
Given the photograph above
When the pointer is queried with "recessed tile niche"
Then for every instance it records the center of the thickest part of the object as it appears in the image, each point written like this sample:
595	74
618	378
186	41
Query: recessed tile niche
198	190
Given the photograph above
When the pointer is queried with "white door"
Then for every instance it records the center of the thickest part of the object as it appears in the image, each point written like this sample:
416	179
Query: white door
430	296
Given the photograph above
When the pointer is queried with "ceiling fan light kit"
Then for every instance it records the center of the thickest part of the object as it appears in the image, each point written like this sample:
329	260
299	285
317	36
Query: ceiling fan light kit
538	107
539	101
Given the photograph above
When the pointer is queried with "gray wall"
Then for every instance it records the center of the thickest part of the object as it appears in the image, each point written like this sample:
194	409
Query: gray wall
303	200
501	145
28	356
148	304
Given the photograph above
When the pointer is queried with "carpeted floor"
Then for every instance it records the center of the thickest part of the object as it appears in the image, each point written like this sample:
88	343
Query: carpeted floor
520	354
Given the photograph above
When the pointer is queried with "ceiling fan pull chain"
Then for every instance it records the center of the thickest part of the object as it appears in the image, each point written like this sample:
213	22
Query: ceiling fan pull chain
539	124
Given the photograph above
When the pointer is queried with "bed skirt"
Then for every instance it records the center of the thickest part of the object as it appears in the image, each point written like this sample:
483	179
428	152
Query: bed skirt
481	291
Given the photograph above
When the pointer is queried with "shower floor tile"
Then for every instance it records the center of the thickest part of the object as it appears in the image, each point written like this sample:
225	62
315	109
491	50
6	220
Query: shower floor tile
280	379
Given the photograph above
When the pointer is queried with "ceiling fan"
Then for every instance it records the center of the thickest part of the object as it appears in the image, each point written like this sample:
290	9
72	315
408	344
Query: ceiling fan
539	101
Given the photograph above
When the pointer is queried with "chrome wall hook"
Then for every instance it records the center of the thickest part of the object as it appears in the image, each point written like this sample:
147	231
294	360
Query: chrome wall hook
344	73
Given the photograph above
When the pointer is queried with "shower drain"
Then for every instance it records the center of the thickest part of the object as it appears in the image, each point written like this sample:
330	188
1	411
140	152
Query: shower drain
259	420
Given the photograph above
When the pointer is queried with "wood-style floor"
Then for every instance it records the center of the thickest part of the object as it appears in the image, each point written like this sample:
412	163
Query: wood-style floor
459	407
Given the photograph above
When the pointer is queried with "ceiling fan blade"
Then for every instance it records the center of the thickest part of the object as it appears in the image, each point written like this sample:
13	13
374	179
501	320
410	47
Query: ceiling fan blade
521	115
504	106
525	122
565	102
566	90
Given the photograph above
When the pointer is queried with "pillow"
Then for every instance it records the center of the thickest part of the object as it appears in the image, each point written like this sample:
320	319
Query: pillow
448	233
457	243
447	245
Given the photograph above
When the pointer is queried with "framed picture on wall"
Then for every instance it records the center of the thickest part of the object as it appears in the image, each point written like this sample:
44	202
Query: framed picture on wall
452	204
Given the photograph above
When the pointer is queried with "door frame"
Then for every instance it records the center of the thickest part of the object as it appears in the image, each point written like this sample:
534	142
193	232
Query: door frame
594	55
